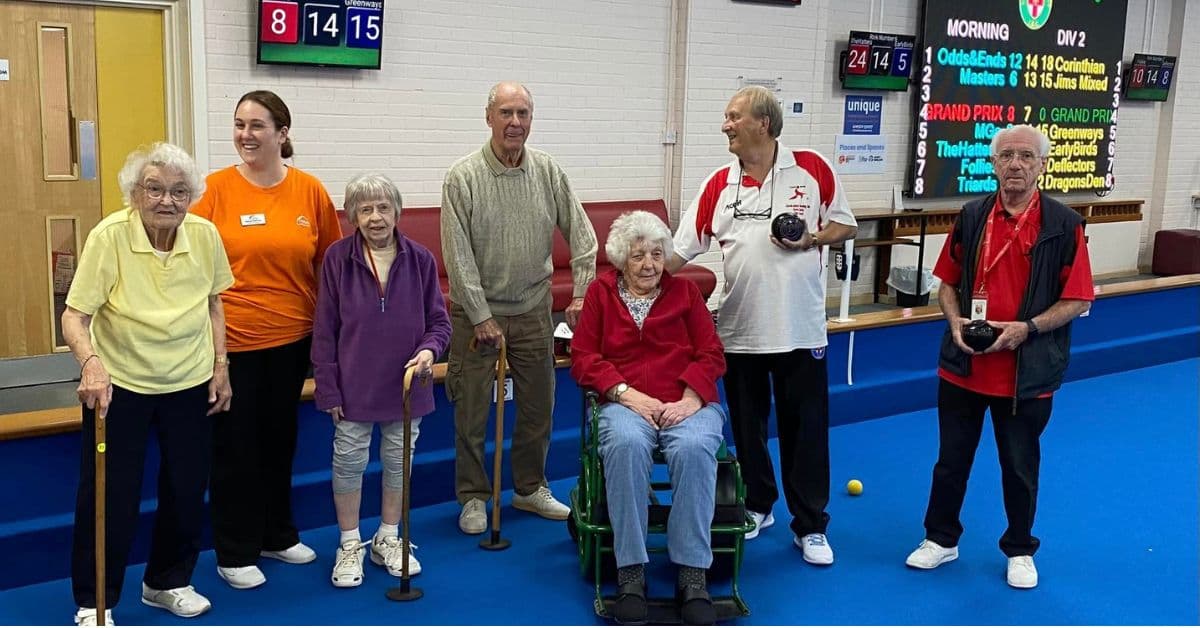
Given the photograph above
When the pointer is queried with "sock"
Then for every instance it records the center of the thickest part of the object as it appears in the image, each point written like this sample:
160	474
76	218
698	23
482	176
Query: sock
349	535
691	577
386	530
632	573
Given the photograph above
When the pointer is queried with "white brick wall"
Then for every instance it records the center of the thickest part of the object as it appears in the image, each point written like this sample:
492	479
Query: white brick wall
598	71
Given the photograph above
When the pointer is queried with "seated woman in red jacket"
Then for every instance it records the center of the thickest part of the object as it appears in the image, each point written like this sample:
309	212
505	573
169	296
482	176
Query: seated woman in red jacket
646	341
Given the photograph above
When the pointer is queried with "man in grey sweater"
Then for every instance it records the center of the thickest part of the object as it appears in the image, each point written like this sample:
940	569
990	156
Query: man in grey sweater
500	206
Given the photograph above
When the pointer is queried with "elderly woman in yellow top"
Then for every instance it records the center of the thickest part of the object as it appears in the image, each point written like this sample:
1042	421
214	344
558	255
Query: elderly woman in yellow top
144	320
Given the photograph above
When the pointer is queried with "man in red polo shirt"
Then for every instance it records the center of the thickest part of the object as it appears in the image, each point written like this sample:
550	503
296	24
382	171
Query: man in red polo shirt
1017	259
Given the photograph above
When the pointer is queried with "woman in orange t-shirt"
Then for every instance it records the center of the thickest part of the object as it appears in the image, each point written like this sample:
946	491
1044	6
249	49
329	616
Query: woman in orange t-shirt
276	223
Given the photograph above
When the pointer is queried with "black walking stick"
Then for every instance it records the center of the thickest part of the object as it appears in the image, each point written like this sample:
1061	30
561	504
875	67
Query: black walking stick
101	487
405	592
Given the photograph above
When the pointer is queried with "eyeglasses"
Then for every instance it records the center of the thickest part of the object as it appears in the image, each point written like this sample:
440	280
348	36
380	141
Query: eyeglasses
757	214
156	192
1025	156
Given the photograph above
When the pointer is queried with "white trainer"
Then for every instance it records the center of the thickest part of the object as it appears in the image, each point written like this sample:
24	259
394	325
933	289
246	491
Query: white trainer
542	503
183	601
816	549
929	555
388	551
761	522
297	554
348	566
1021	572
87	617
242	577
473	518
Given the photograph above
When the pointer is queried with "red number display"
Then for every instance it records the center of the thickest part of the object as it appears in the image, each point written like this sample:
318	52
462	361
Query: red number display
280	22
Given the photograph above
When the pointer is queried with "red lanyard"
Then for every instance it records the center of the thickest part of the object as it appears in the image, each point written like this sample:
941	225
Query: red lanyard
987	244
374	271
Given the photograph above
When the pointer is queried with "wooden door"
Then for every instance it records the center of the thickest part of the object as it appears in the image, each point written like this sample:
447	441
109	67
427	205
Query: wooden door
44	183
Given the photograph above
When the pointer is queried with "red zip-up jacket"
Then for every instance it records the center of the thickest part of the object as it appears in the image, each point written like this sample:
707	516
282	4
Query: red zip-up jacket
676	347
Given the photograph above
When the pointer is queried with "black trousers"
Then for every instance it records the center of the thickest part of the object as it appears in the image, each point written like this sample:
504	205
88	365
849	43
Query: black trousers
254	444
960	423
800	381
178	421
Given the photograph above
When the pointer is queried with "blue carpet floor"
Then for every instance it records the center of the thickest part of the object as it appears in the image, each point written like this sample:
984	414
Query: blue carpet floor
1118	520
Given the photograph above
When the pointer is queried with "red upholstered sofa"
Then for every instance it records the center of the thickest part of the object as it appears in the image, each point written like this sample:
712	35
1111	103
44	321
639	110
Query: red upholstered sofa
423	224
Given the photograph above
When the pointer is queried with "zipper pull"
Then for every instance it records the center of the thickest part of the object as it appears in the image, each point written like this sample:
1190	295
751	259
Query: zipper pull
381	308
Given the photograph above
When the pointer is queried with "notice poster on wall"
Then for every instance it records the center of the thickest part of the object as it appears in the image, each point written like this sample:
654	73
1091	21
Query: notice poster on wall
860	154
983	66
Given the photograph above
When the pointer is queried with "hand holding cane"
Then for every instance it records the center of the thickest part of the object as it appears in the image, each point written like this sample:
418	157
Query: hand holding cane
496	543
405	592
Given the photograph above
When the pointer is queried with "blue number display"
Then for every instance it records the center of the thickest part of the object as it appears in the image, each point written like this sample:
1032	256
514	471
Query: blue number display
364	27
901	62
322	24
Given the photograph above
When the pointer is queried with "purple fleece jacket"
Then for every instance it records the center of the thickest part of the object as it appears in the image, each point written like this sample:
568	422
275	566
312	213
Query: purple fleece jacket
360	344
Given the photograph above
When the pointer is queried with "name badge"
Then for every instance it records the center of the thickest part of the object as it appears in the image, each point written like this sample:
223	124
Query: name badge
249	220
979	309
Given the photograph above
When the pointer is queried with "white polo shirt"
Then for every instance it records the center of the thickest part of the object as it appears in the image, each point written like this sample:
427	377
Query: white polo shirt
774	300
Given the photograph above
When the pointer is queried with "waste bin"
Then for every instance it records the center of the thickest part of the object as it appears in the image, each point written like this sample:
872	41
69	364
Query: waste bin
904	280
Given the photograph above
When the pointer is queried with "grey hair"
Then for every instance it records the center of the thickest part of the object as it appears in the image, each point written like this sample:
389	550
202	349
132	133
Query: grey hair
494	92
764	105
163	155
630	227
370	186
1043	141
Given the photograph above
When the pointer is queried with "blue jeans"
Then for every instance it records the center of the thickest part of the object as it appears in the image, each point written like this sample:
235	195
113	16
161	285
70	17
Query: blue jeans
690	447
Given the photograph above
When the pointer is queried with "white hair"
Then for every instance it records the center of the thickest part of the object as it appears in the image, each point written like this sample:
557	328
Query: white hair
1042	140
631	227
495	92
371	186
163	155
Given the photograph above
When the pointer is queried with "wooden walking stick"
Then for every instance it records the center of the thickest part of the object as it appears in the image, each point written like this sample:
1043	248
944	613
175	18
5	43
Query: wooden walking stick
494	542
405	592
101	484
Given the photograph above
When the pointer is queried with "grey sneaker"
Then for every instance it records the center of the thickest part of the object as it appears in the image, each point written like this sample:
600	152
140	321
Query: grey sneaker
473	518
183	601
541	502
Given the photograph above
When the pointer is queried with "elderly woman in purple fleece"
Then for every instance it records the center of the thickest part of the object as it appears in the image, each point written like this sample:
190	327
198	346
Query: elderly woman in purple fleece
379	300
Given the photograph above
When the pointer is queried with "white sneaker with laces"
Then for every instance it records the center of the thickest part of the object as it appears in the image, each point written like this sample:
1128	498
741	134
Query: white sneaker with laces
183	601
473	518
242	577
761	522
816	549
297	554
348	565
929	555
87	617
1021	572
388	551
542	503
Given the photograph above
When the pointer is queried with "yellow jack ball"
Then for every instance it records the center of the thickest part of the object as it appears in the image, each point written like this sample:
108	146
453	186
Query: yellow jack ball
854	487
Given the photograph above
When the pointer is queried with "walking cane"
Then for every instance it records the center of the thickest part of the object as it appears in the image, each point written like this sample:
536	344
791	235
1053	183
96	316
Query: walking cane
495	543
405	592
101	483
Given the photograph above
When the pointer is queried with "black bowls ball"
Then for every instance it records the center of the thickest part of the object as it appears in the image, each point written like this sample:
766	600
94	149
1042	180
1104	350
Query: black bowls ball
788	226
979	335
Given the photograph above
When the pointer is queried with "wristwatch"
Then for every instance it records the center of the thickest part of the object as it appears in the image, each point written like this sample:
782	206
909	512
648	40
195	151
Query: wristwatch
619	390
1033	328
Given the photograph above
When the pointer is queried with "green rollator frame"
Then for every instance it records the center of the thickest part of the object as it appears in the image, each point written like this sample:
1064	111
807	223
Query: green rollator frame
590	528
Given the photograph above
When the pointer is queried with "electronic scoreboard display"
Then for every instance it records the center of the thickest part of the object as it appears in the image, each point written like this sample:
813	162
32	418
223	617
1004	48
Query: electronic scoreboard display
1054	64
339	33
877	61
1149	77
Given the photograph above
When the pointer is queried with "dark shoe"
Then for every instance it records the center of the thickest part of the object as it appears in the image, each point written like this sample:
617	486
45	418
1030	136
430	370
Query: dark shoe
630	606
695	607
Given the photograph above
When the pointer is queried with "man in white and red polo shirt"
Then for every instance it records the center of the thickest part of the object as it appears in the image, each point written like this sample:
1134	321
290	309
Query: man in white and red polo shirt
1017	259
772	311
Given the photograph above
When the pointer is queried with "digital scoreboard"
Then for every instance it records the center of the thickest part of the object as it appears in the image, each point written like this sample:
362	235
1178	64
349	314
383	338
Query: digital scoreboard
341	33
1149	77
877	61
982	66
